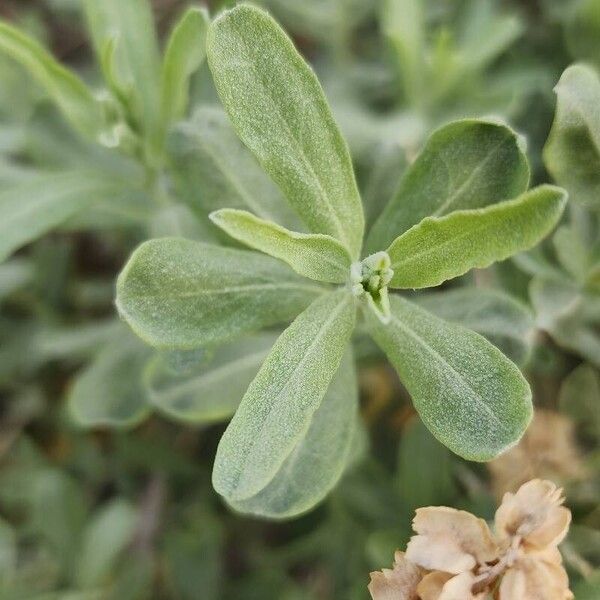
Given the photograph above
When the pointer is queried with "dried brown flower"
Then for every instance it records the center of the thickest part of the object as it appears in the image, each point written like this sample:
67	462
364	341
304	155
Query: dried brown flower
455	556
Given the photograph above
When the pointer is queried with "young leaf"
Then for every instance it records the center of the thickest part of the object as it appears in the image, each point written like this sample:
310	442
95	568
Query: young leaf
467	164
572	152
108	392
212	169
277	409
185	52
71	95
503	320
211	391
136	53
29	210
175	293
314	255
278	109
438	249
319	457
468	394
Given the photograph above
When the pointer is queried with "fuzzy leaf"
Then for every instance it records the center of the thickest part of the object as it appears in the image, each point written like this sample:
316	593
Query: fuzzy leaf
319	457
277	409
70	94
314	255
464	165
175	293
31	209
213	169
185	52
572	152
468	394
278	109
108	392
504	321
210	391
442	248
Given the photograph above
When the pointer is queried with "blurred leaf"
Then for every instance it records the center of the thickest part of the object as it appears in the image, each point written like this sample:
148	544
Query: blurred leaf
136	53
213	169
185	52
313	255
572	152
277	408
278	109
468	394
108	392
8	553
106	535
14	275
582	30
441	248
318	458
175	293
32	209
71	95
580	399
464	165
209	391
421	453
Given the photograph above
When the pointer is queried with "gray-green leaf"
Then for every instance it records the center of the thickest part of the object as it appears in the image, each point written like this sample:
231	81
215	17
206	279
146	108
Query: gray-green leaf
440	248
109	392
279	110
319	457
277	409
185	52
314	255
467	164
29	210
468	394
213	169
175	293
572	152
72	96
503	320
212	390
580	399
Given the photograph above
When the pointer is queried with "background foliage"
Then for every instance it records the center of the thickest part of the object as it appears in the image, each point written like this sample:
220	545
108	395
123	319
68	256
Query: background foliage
106	448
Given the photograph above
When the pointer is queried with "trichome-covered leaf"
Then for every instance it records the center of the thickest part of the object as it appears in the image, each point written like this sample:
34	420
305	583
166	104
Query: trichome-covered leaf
468	394
277	409
278	109
175	293
440	248
319	457
464	165
314	255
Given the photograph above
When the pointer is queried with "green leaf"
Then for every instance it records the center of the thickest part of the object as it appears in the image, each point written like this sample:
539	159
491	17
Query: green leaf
468	394
136	54
185	52
213	169
278	109
72	96
572	152
314	255
441	248
31	209
211	390
420	453
580	399
175	293
319	457
467	164
14	275
582	30
277	409
106	536
109	392
503	320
